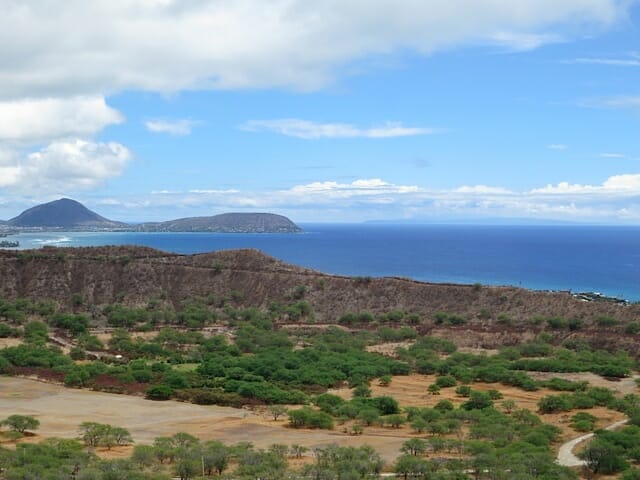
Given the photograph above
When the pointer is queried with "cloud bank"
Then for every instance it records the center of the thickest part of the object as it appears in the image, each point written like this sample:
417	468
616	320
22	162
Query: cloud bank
293	127
101	47
615	200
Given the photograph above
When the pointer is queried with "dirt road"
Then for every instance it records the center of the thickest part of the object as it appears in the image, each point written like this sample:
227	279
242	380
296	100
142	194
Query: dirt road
567	458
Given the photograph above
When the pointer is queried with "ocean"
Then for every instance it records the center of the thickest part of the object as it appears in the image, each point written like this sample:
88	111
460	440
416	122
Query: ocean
577	258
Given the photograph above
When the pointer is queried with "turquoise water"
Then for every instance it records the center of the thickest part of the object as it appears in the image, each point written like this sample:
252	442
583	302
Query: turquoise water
577	258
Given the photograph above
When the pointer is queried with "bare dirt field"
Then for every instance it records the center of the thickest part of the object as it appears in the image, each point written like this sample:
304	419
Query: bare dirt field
623	385
60	411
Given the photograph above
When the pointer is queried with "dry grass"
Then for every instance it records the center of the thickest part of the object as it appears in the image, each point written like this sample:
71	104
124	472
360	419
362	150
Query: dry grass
61	410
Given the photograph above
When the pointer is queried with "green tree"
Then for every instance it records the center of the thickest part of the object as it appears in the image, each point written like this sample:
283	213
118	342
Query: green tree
298	450
395	420
555	403
603	457
369	416
215	456
143	455
477	401
100	434
277	411
21	423
410	466
414	446
434	389
419	425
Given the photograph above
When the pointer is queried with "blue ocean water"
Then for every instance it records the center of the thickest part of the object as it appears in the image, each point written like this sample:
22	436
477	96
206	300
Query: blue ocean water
577	258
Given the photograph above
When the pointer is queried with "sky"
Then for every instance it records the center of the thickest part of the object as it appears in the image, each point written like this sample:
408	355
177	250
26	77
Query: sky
438	111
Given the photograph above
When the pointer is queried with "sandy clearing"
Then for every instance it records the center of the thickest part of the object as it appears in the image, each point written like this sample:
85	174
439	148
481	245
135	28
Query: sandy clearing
10	342
60	411
623	385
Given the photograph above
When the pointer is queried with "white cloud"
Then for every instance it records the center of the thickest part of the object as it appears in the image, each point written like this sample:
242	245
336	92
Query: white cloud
176	127
102	46
557	146
63	166
612	155
363	187
616	199
618	184
525	41
32	120
483	189
632	102
294	127
617	62
213	190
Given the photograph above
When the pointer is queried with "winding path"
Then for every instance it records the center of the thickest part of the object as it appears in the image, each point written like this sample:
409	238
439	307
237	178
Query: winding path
566	457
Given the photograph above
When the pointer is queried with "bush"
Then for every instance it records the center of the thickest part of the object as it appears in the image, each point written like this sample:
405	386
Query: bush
478	400
159	392
446	381
557	323
463	390
583	422
632	328
575	324
605	321
562	385
555	403
329	403
309	418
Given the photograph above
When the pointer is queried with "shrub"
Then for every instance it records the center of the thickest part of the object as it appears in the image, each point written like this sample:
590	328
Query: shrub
446	381
444	406
478	400
632	328
583	422
159	392
605	321
329	403
463	390
555	403
562	385
557	322
575	324
307	417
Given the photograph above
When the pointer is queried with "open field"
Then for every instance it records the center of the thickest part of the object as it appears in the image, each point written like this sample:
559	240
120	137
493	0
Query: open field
60	411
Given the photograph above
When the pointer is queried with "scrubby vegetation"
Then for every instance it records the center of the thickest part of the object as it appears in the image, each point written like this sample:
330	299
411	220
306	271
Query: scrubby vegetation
212	350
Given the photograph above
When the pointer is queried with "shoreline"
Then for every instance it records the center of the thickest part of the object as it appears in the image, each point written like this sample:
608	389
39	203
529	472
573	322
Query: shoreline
339	250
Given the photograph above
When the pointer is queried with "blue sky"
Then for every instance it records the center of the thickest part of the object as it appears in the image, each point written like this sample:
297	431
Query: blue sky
429	111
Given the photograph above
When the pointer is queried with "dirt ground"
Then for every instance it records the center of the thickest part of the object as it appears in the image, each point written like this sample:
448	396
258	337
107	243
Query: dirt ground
9	342
411	391
60	411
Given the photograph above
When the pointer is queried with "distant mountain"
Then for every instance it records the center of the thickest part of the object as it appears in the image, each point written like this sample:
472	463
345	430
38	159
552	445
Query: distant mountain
63	213
226	223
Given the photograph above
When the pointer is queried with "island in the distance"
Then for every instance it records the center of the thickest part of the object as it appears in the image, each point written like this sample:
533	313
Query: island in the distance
72	215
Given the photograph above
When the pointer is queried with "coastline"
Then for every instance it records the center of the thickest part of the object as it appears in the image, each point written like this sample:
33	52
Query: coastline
535	258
